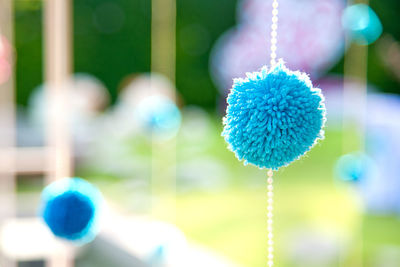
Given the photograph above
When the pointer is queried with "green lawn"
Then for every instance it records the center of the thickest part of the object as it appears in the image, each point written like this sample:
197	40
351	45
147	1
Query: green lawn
232	219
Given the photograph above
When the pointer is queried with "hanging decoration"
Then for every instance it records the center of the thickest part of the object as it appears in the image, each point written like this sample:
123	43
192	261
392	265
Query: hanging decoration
273	117
354	167
361	24
159	116
70	208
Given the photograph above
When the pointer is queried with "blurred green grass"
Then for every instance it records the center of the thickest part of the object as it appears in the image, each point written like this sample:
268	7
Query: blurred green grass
232	219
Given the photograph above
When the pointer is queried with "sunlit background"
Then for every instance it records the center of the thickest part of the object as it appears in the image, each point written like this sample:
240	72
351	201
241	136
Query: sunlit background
130	94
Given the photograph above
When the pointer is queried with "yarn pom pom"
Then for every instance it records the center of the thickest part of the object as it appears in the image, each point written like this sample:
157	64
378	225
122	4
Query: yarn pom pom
70	209
160	116
354	167
362	24
273	117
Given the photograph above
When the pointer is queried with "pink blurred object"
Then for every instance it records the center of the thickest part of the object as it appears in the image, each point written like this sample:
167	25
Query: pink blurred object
5	58
5	48
5	70
310	38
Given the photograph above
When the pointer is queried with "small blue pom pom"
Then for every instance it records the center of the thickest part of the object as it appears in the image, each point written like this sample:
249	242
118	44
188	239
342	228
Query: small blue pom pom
362	23
273	117
160	116
353	167
70	209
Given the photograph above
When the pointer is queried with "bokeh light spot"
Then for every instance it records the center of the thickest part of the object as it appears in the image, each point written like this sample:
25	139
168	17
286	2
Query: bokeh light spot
108	18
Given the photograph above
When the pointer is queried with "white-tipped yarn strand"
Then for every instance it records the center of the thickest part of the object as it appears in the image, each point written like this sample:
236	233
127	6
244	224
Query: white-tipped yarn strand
274	31
270	208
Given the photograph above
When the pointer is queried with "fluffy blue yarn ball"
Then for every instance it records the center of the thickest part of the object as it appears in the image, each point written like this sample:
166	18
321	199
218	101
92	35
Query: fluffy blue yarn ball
273	117
70	209
362	23
354	167
160	116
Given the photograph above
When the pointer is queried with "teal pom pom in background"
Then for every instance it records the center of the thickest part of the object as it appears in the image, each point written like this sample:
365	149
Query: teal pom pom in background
160	116
70	209
362	23
273	117
354	167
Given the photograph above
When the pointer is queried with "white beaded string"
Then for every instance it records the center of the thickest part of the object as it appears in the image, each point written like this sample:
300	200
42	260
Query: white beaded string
270	220
270	180
274	33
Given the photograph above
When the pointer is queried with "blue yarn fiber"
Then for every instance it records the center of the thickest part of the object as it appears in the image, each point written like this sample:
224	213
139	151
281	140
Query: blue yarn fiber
70	209
273	117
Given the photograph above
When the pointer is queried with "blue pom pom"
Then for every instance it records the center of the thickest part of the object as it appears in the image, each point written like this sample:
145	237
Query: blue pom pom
70	209
160	116
273	117
353	167
362	23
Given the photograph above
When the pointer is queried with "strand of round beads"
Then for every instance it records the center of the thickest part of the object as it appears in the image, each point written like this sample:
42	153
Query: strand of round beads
274	33
270	208
270	180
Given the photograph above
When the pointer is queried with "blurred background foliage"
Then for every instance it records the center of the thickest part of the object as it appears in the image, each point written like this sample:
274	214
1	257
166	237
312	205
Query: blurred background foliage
112	45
